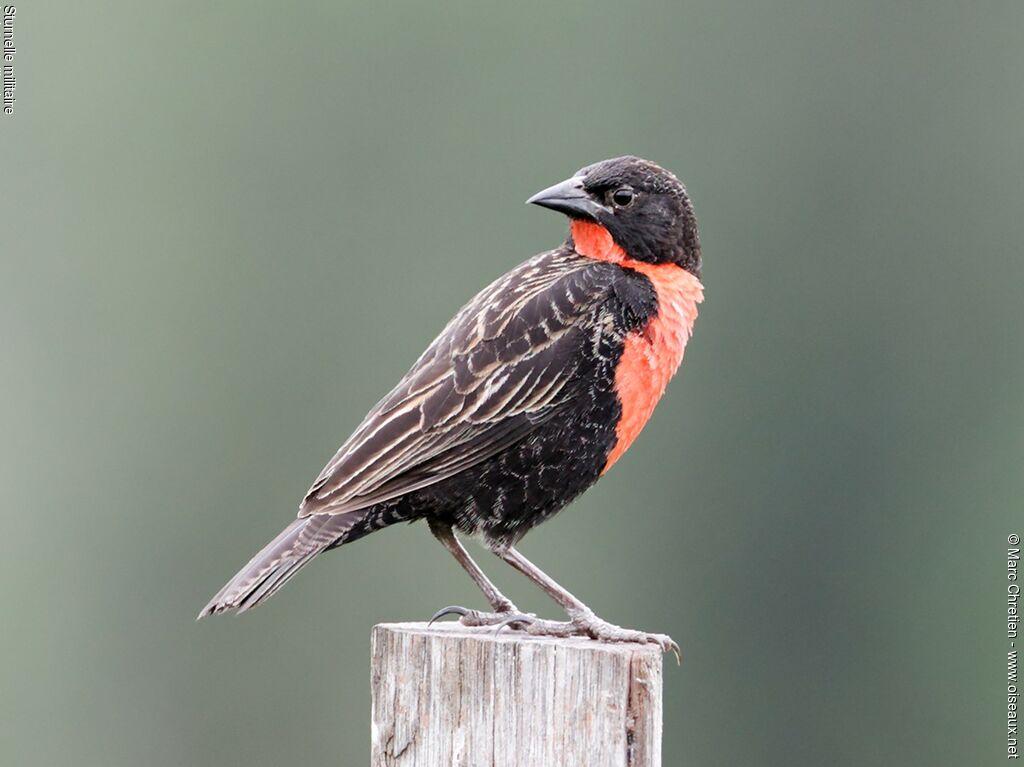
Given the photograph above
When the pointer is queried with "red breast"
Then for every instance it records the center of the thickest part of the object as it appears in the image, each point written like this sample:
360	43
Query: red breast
651	355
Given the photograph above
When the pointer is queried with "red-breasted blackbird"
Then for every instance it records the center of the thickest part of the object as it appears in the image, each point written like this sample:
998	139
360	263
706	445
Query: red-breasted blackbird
531	393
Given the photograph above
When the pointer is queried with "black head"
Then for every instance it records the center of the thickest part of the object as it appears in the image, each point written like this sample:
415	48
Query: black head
643	206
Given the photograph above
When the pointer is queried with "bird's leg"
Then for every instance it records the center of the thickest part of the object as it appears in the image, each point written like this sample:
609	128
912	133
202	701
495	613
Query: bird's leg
582	620
502	605
571	604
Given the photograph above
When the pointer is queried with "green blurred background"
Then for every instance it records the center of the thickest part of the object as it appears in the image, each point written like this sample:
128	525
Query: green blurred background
227	229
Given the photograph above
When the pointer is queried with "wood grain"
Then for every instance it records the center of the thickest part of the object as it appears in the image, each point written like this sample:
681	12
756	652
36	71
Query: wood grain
450	696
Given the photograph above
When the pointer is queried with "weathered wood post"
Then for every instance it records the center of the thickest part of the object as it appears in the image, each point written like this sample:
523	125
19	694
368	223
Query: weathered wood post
449	696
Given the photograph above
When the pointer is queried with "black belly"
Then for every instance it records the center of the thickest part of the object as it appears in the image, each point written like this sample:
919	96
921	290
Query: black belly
504	497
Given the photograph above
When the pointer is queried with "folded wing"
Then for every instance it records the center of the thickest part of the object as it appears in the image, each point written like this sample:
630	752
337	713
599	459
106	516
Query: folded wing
502	366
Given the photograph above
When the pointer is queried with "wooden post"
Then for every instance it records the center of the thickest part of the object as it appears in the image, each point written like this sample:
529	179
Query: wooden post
448	696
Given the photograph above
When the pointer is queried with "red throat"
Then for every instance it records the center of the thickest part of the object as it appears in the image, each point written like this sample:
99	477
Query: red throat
594	241
650	355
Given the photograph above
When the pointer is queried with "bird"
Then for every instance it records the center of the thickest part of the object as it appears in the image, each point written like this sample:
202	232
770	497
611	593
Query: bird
528	396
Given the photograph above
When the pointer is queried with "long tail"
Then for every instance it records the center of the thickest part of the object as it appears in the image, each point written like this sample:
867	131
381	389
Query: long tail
284	556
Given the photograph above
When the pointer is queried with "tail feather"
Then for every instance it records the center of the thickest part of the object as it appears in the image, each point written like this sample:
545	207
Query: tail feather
280	559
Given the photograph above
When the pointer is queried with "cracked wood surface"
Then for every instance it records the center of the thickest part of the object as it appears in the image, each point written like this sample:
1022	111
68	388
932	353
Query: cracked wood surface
454	696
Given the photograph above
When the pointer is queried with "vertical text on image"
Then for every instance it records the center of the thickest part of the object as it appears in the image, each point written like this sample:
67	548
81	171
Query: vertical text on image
8	48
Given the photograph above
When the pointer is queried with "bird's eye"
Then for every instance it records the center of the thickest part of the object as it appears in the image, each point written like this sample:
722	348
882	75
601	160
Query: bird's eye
623	197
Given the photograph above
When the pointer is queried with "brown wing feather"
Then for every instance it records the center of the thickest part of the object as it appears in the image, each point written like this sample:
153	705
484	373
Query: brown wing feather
503	365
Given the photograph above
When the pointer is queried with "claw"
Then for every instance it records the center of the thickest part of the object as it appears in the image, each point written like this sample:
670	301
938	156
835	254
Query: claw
674	648
449	610
515	618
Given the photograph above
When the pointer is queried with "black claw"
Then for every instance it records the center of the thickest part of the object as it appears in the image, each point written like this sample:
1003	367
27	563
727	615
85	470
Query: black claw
449	610
517	618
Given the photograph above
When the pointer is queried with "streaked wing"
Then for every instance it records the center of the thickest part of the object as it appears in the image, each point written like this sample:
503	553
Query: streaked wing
502	366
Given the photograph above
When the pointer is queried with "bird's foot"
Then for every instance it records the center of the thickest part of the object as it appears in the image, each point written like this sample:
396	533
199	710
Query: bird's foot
589	625
508	615
579	624
596	628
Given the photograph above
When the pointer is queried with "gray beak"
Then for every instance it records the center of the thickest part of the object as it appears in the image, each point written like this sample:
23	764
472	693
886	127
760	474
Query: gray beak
569	197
